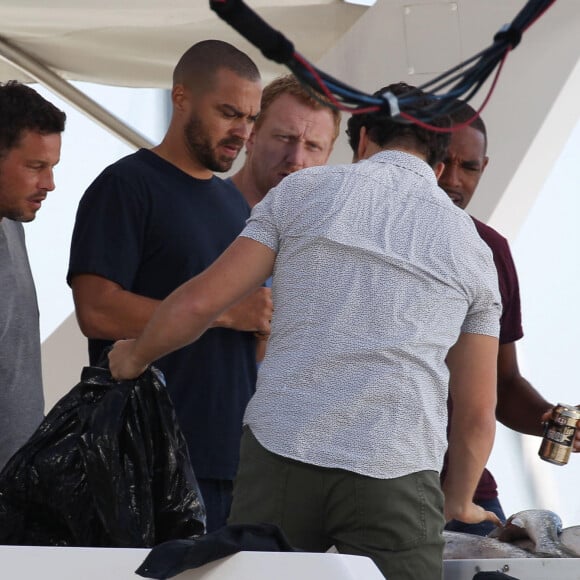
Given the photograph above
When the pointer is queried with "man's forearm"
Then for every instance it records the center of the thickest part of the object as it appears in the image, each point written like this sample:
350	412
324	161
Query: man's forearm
473	378
520	407
112	315
470	444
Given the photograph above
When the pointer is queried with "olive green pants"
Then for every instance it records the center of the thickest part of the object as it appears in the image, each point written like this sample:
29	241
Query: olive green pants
396	522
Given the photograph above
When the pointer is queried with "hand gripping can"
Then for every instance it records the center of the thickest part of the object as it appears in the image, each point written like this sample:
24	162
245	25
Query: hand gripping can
559	434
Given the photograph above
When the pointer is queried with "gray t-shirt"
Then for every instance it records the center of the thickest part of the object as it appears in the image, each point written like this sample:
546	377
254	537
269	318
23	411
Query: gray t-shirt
376	275
21	394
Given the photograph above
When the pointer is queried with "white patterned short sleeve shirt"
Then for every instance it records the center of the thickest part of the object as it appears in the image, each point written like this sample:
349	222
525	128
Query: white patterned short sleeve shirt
376	275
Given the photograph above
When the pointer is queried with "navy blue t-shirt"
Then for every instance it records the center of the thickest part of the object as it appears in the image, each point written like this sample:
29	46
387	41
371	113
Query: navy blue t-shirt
149	227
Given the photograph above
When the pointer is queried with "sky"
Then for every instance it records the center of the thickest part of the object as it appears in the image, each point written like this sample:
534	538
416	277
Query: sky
545	252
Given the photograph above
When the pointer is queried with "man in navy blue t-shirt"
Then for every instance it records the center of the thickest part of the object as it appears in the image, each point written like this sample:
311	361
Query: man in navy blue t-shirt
154	219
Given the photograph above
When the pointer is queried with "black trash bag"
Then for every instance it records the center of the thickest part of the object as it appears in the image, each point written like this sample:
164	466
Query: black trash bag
108	467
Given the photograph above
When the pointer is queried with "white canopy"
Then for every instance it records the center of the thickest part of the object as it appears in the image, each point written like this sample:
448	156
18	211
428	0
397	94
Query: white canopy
137	42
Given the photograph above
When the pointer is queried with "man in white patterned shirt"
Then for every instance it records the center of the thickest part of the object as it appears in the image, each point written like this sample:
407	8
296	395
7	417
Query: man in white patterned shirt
376	276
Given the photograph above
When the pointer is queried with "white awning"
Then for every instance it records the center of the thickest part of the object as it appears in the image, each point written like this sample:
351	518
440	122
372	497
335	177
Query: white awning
137	42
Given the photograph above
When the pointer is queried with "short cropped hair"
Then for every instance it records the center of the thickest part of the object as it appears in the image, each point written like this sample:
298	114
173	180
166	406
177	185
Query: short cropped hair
461	113
23	109
383	130
197	67
289	84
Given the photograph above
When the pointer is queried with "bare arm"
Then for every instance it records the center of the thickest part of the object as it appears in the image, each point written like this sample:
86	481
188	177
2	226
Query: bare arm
472	367
253	313
105	310
188	311
519	406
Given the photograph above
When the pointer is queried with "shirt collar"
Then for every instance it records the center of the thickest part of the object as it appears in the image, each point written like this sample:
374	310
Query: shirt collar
405	161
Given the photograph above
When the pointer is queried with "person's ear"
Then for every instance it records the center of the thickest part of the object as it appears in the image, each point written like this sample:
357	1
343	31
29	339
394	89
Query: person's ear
438	169
363	142
180	97
485	162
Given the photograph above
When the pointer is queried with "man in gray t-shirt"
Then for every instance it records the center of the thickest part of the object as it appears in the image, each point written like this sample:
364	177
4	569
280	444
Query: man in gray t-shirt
385	297
30	139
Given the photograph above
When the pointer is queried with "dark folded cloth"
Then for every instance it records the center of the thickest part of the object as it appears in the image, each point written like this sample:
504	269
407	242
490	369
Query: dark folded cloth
175	556
493	576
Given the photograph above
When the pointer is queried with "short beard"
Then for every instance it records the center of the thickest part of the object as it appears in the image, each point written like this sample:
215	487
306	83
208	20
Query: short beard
16	216
13	214
200	148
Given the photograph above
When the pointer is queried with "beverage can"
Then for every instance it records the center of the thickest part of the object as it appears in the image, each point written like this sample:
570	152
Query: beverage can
559	434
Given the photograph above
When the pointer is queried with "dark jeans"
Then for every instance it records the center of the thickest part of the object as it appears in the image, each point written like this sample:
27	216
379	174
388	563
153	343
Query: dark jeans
484	528
396	522
217	497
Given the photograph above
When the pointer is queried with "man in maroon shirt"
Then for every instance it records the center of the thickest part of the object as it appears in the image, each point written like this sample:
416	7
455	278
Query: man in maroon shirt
519	406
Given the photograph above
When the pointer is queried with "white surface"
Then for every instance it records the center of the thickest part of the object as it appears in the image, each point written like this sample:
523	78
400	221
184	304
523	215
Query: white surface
286	566
53	563
50	563
523	569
